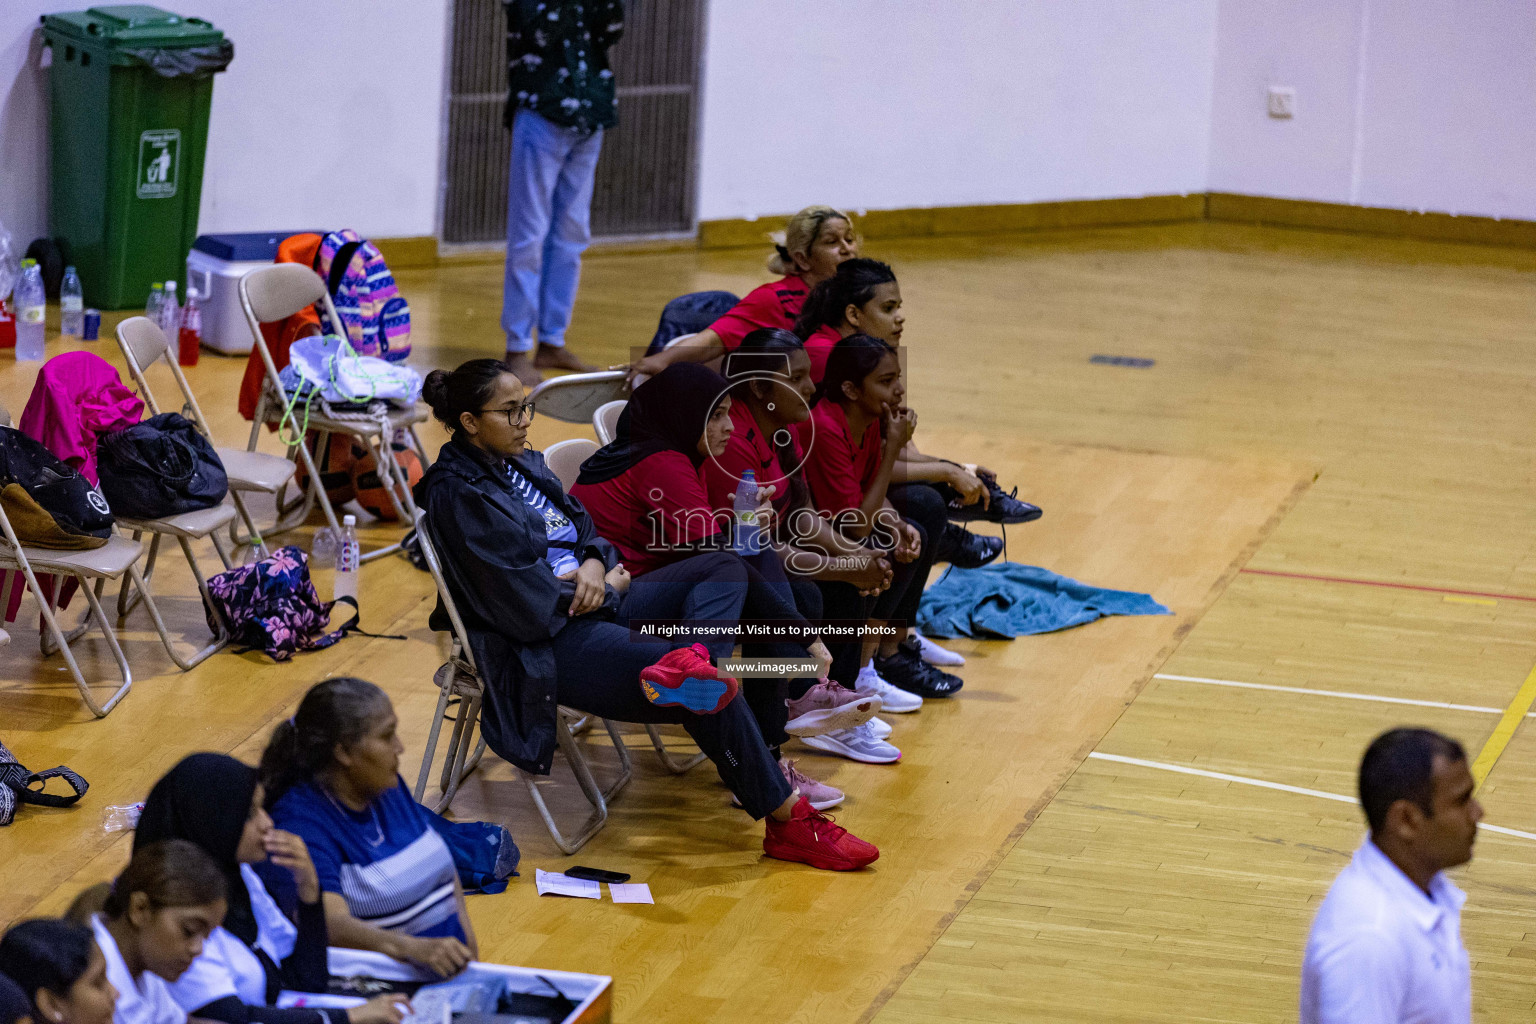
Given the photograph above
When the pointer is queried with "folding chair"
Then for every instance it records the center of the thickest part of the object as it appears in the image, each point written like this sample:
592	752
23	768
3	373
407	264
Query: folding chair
142	343
268	294
564	459
92	568
574	397
459	677
605	421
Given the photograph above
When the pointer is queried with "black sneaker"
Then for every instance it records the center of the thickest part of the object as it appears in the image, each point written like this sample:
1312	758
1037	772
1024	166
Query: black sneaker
906	670
1003	507
966	550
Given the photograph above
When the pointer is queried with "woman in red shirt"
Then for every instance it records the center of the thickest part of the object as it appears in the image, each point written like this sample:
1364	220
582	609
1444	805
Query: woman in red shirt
647	498
862	297
852	442
815	241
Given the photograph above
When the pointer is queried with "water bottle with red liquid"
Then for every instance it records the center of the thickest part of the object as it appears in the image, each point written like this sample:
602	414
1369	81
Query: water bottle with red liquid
189	339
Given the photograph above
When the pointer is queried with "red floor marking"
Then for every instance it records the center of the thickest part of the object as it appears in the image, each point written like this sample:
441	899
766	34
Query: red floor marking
1383	583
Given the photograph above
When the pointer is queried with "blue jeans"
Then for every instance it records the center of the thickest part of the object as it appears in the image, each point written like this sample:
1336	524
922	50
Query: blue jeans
549	223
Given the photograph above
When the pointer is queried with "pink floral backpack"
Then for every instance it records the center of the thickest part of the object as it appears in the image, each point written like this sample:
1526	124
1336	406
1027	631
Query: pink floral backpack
271	606
375	318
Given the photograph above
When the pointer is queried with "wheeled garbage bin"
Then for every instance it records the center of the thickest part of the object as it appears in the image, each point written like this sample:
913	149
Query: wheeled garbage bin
131	86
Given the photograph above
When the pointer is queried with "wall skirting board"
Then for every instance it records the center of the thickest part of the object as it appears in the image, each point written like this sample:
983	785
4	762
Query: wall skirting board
421	251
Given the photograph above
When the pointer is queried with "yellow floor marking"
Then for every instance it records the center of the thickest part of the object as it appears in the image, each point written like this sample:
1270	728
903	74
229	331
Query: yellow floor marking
1505	730
1458	599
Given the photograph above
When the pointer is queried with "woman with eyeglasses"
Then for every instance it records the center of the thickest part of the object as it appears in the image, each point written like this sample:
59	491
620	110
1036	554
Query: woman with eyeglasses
547	613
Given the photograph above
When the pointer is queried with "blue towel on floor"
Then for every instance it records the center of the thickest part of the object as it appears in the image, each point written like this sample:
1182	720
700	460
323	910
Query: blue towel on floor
1007	599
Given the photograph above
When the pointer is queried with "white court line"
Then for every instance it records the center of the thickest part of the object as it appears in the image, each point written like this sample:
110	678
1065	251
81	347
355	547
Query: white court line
1336	693
1262	784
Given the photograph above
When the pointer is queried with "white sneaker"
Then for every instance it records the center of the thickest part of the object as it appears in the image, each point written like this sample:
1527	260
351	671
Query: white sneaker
879	728
858	744
892	698
933	654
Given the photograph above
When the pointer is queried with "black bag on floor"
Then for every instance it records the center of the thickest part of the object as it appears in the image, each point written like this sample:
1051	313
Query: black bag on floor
16	784
161	467
48	502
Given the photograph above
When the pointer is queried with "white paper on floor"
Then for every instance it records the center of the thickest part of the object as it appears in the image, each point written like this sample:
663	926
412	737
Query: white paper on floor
633	892
553	883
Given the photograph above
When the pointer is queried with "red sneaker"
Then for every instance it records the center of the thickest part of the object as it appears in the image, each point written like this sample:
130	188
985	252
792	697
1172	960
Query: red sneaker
685	678
813	838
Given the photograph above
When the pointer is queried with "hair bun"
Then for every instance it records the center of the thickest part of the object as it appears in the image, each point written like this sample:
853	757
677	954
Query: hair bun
434	390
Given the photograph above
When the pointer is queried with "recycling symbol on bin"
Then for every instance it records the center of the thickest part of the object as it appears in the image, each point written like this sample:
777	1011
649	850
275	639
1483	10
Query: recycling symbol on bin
159	162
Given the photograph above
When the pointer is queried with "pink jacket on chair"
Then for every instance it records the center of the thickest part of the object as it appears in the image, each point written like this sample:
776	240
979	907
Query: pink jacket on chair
78	396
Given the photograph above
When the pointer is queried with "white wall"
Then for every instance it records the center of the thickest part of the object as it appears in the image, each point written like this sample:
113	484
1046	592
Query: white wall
1425	105
307	79
873	104
1417	104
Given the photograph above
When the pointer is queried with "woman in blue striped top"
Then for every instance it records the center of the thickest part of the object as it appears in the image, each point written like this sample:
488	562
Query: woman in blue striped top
331	774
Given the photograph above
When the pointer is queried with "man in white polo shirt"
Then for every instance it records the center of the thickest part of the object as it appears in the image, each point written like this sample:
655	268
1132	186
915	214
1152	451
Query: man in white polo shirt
1386	944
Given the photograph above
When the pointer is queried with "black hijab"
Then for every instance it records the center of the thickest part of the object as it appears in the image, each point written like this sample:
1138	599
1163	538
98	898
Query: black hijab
665	414
206	800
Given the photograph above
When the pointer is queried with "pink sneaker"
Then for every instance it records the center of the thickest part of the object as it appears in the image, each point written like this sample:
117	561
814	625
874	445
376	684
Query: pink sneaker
828	707
820	795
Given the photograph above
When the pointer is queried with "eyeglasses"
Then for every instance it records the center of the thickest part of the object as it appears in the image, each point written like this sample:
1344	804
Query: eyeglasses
522	413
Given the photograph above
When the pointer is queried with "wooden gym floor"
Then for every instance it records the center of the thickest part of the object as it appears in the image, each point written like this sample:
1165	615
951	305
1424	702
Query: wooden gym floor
1327	414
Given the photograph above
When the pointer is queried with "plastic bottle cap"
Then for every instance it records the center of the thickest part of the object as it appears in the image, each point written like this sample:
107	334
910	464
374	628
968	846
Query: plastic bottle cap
349	520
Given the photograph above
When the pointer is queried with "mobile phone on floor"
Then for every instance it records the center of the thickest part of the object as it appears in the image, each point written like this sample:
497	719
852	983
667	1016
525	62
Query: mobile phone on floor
597	875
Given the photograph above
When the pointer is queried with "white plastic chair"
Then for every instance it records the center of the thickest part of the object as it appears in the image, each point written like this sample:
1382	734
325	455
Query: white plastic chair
459	677
605	421
93	568
574	397
269	294
142	343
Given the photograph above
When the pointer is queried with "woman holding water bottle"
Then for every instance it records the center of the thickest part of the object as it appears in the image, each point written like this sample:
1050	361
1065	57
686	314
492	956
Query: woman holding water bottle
646	494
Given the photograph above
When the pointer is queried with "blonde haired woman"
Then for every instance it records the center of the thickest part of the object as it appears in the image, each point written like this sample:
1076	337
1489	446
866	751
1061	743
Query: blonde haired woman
807	252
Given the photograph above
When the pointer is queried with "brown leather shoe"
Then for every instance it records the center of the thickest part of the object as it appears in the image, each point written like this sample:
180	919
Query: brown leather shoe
520	364
550	357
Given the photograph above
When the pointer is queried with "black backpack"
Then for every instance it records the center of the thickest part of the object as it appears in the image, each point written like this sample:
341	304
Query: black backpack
161	467
47	500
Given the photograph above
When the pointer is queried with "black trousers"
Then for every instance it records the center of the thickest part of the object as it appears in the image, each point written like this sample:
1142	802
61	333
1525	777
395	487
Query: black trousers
924	507
598	663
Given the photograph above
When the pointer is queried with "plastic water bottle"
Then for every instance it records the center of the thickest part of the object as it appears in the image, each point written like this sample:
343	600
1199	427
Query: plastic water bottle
189	341
31	312
322	549
348	556
748	539
155	303
170	313
71	305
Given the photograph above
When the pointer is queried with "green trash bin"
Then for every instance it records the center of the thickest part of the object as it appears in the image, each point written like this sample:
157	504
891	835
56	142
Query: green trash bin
131	87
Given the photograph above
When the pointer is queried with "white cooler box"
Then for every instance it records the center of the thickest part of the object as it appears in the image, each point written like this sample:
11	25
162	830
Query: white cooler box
214	268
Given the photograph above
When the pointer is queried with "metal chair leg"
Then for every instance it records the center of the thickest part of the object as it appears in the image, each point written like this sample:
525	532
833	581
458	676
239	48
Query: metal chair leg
597	796
61	642
677	766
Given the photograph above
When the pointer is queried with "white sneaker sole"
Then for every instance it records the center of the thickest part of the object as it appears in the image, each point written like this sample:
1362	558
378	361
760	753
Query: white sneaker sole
914	705
832	746
823	720
943	658
820	805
